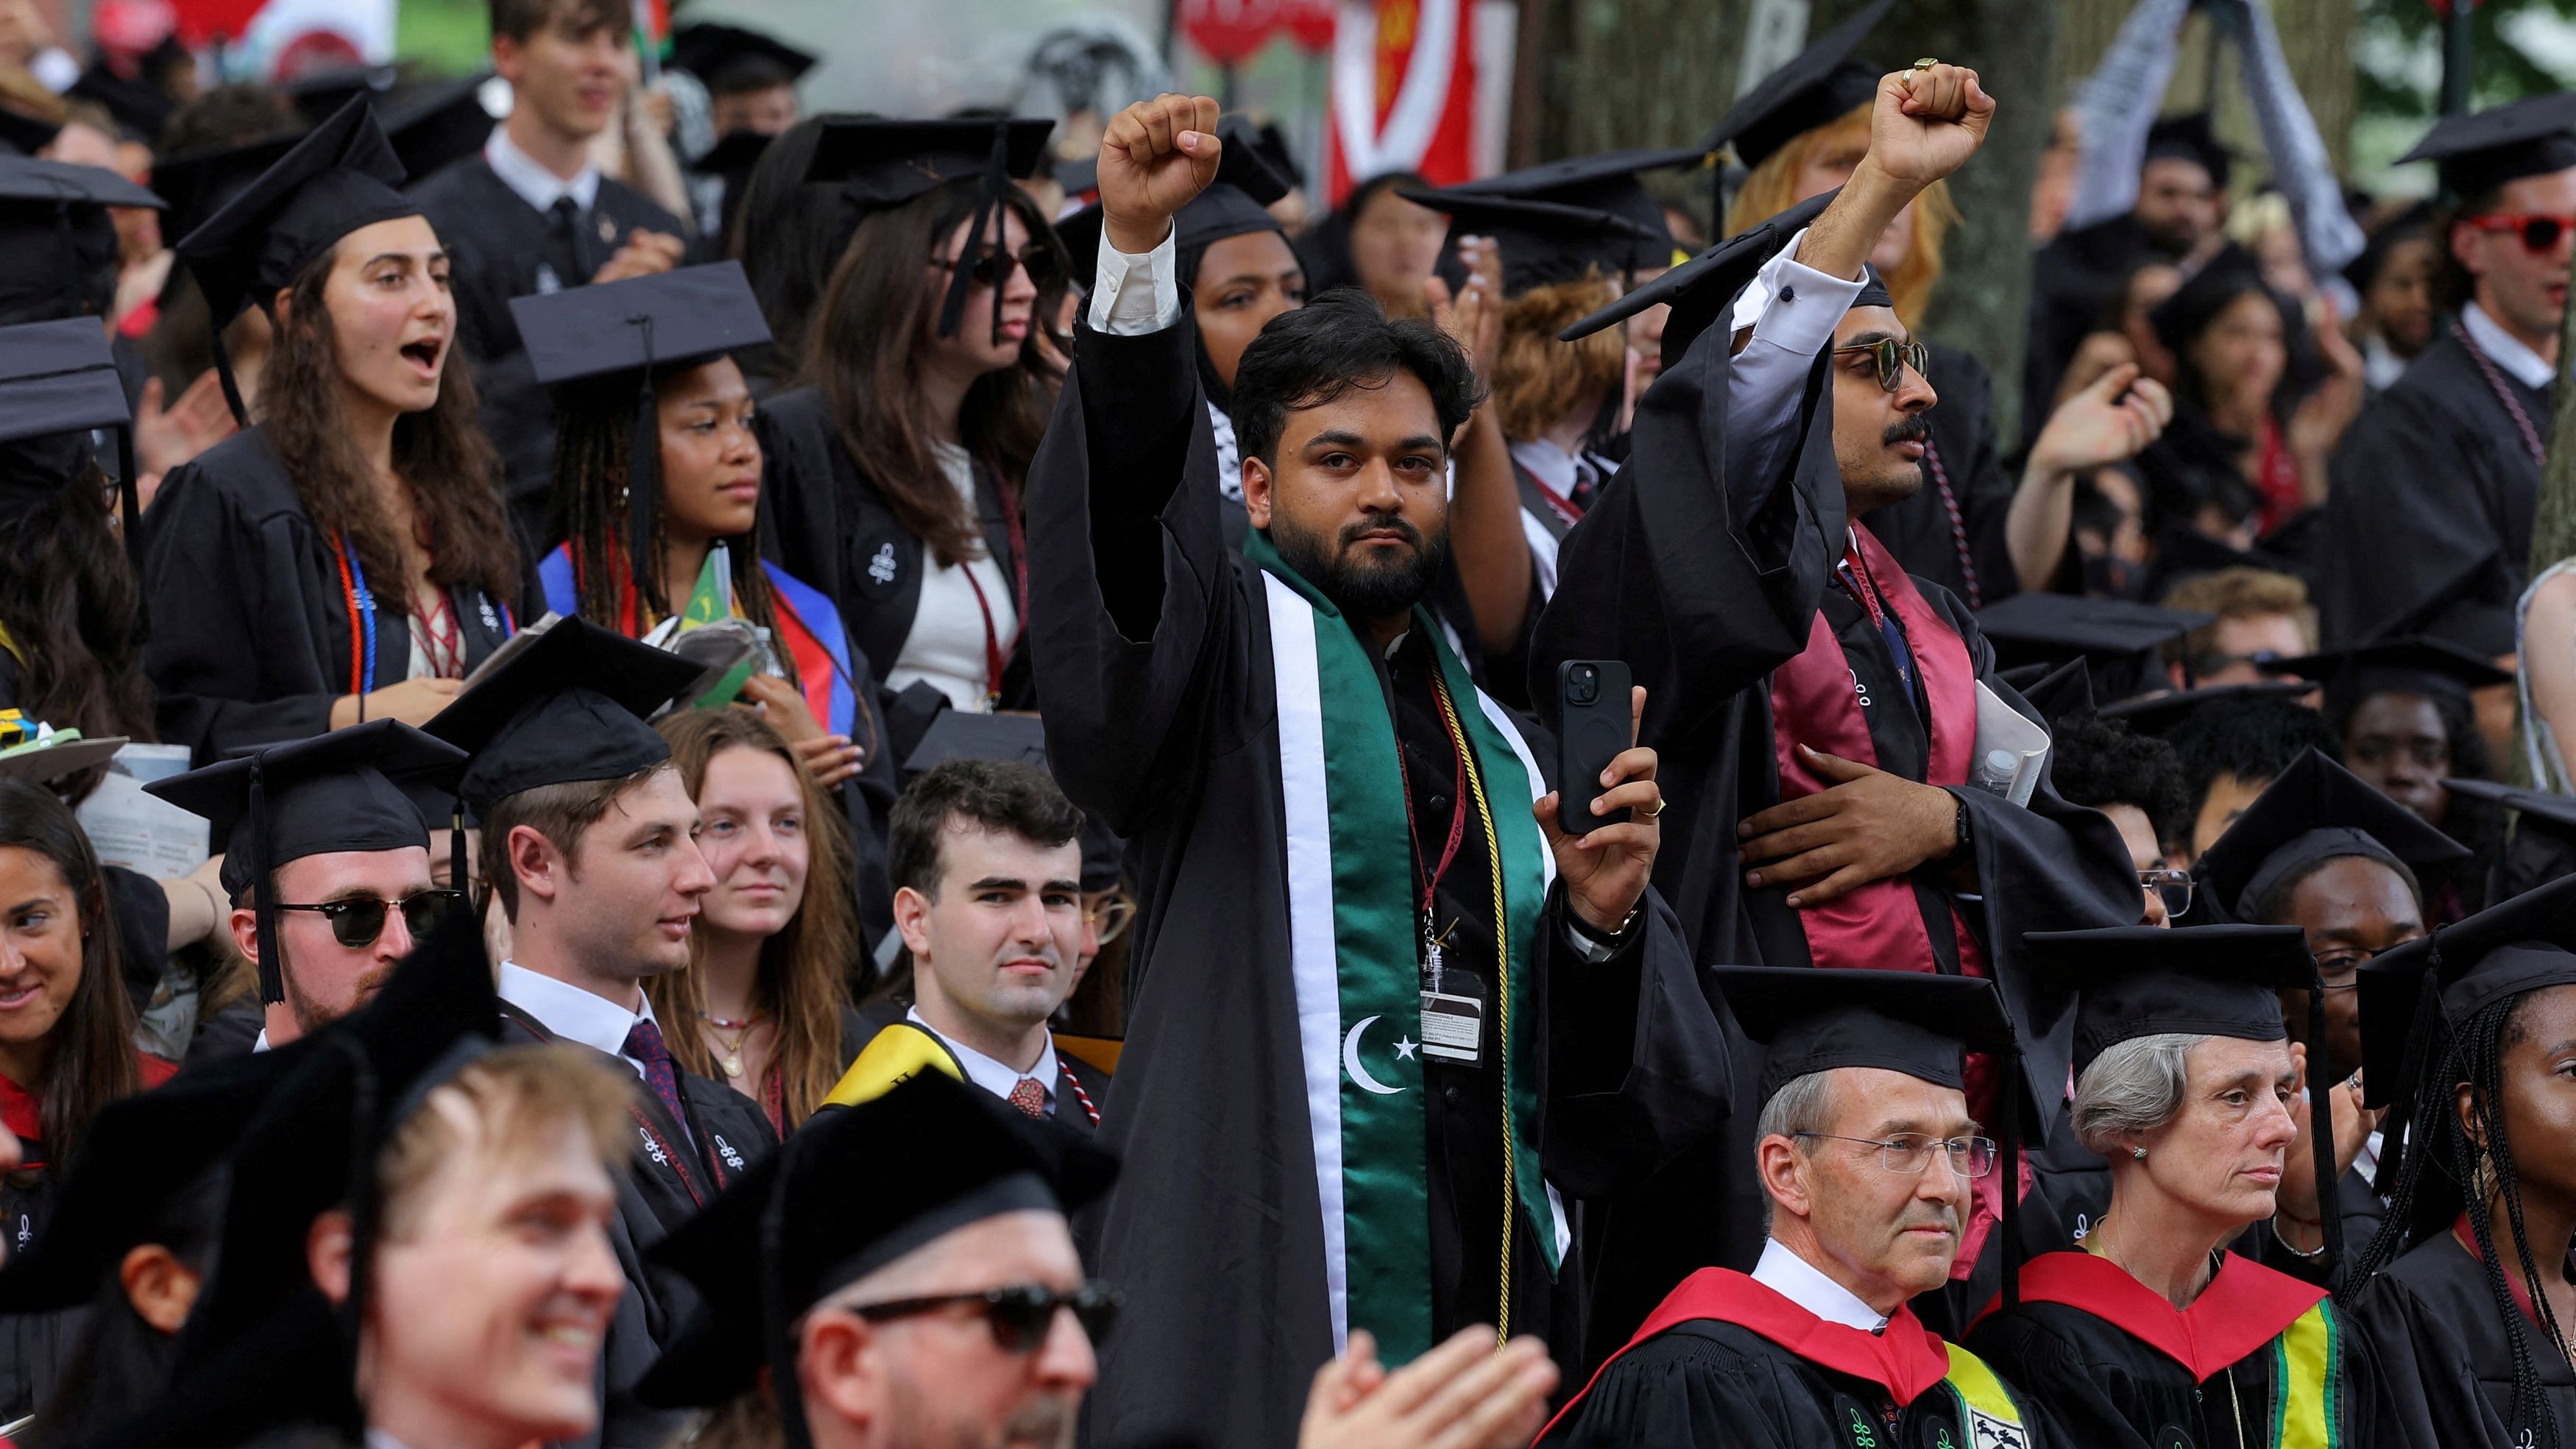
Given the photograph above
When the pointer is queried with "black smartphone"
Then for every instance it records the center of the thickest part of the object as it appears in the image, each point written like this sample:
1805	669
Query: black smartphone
1593	726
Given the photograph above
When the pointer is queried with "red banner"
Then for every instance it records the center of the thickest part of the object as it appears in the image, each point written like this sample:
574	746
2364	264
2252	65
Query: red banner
1403	92
1231	32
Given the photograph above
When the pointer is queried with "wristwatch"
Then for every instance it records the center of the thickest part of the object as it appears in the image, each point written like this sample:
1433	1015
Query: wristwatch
1965	852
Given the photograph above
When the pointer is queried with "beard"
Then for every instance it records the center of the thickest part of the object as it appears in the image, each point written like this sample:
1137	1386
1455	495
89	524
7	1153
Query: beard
1876	481
918	1420
1359	586
311	1013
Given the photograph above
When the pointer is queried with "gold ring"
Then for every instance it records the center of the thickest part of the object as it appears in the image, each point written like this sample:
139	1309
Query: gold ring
1651	814
1926	63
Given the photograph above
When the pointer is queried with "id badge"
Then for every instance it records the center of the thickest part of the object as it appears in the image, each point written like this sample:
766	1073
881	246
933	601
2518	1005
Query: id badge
1453	1027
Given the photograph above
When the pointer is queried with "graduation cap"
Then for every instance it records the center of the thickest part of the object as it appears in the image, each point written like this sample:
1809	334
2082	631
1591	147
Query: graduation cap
433	125
568	705
2191	137
883	163
330	793
822	1212
2410	664
1605	181
196	184
319	94
2141	981
2119	638
1702	290
1545	241
340	177
957	734
731	60
2057	691
2543	848
2476	153
58	382
58	247
25	134
2314	811
1816	87
1273	146
2162	714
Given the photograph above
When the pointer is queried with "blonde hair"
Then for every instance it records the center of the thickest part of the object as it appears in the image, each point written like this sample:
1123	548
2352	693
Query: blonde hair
1539	382
1773	189
2238	592
500	1107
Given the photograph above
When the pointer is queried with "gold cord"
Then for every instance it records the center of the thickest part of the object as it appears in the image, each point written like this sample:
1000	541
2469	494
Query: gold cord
1502	993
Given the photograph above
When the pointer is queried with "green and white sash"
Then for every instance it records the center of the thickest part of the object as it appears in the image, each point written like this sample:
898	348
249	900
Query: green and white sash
1353	935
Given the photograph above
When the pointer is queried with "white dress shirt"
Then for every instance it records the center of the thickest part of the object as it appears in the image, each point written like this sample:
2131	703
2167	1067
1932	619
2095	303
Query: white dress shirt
535	185
1793	310
2519	362
1803	1283
991	1073
1563	473
574	1014
1134	295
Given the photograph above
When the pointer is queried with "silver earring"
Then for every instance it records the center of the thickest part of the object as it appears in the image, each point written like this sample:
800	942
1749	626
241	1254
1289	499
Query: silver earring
2139	1153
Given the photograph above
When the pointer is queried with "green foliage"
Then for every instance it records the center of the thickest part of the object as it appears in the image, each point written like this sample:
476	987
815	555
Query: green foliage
2402	29
444	37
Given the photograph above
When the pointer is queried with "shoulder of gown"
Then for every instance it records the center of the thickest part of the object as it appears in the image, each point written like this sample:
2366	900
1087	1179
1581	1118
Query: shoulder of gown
242	474
1694	1384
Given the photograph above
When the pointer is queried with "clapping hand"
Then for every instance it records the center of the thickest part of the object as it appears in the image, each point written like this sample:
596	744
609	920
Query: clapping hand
1465	1394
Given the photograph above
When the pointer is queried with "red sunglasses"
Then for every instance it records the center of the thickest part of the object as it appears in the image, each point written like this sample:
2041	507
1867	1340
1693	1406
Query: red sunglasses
2539	233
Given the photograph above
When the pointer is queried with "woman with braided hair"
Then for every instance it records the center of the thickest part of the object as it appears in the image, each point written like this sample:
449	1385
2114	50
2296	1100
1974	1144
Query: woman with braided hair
2475	1030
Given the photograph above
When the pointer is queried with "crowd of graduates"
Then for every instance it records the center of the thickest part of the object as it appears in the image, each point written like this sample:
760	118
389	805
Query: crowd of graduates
677	773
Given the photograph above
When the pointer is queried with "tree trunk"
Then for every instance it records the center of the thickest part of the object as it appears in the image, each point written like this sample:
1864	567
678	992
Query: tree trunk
1634	72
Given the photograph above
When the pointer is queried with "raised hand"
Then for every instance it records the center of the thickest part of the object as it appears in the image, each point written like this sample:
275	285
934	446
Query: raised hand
2111	421
1155	157
1474	318
1927	123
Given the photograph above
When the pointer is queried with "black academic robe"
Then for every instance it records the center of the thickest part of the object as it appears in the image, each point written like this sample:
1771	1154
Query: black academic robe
2434	489
229	1033
826	522
1929	531
2440	1341
670	1182
2118	1367
251	626
1155	678
1705	584
499	247
1080	1091
1728	1363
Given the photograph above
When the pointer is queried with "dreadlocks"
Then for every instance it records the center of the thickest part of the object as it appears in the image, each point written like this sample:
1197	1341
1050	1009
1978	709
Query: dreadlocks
594	445
2476	1170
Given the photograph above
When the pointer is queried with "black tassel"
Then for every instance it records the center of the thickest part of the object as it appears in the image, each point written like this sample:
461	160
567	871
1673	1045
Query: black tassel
644	481
2008	1162
2400	1095
364	1209
988	202
778	1340
130	505
272	976
2321	1130
224	375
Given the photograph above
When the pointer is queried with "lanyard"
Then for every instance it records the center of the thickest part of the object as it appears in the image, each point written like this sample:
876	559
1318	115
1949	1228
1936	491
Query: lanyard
1566	508
362	619
993	656
1432	874
2495	382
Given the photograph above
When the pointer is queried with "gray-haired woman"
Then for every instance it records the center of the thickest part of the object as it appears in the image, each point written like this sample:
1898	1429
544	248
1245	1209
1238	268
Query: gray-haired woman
2150	1334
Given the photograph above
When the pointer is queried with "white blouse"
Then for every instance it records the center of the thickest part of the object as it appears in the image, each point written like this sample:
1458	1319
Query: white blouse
946	646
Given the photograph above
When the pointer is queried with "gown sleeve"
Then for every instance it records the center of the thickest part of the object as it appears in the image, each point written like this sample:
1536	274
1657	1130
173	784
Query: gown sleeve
1678	1391
1135	622
2406	521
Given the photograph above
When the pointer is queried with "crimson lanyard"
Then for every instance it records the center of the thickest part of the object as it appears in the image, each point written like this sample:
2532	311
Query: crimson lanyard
1566	508
1457	812
993	656
2495	383
995	659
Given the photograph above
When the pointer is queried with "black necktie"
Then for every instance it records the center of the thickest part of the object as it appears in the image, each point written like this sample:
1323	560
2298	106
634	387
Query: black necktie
567	214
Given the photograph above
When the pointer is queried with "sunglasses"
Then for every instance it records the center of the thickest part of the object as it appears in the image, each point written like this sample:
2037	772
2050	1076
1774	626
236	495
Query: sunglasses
2538	233
1893	358
991	266
1019	1315
359	920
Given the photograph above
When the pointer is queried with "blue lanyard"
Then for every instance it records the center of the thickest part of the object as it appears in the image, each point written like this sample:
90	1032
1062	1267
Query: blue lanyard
363	602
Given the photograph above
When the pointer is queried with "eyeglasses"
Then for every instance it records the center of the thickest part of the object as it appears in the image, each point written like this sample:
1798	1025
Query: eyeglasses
1911	1152
358	921
1019	1315
2539	233
2341	970
2172	886
1892	357
1111	918
991	266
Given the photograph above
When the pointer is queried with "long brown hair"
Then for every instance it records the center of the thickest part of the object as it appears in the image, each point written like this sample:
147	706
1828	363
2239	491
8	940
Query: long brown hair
864	356
92	1062
440	454
1773	189
594	449
804	980
70	601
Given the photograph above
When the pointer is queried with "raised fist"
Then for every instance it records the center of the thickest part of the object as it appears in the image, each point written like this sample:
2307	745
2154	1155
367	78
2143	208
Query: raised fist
1155	157
1927	123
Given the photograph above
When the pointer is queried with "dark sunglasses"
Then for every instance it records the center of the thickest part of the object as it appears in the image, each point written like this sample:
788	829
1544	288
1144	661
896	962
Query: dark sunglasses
992	266
1019	1315
359	920
1892	357
2539	233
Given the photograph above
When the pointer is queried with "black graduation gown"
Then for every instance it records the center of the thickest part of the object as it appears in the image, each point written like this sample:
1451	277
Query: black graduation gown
227	1034
499	247
251	628
2111	1376
2434	490
1704	585
1923	532
1155	679
1074	1108
826	523
2442	1352
668	1184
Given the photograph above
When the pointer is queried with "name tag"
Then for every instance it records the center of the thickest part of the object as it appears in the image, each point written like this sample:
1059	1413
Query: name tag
1453	1027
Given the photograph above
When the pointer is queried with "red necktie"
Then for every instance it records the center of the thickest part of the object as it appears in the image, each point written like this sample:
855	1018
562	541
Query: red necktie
1029	1096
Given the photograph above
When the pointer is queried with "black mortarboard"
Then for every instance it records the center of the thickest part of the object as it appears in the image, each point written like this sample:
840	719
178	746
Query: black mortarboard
637	328
2057	691
1915	1022
882	163
1543	242
823	1212
340	177
2478	152
58	248
1816	87
58	381
2411	664
958	734
1236	203
2161	714
320	93
733	156
2414	994
197	184
1273	146
2314	811
2119	638
433	125
2190	137
1702	290
322	795
729	59
2543	847
569	705
1605	181
25	134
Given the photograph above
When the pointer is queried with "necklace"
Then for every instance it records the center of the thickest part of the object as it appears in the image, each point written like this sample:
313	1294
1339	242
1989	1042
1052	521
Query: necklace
731	1060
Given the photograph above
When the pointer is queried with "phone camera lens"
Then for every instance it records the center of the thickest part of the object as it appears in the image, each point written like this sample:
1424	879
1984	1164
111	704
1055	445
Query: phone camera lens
1586	683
